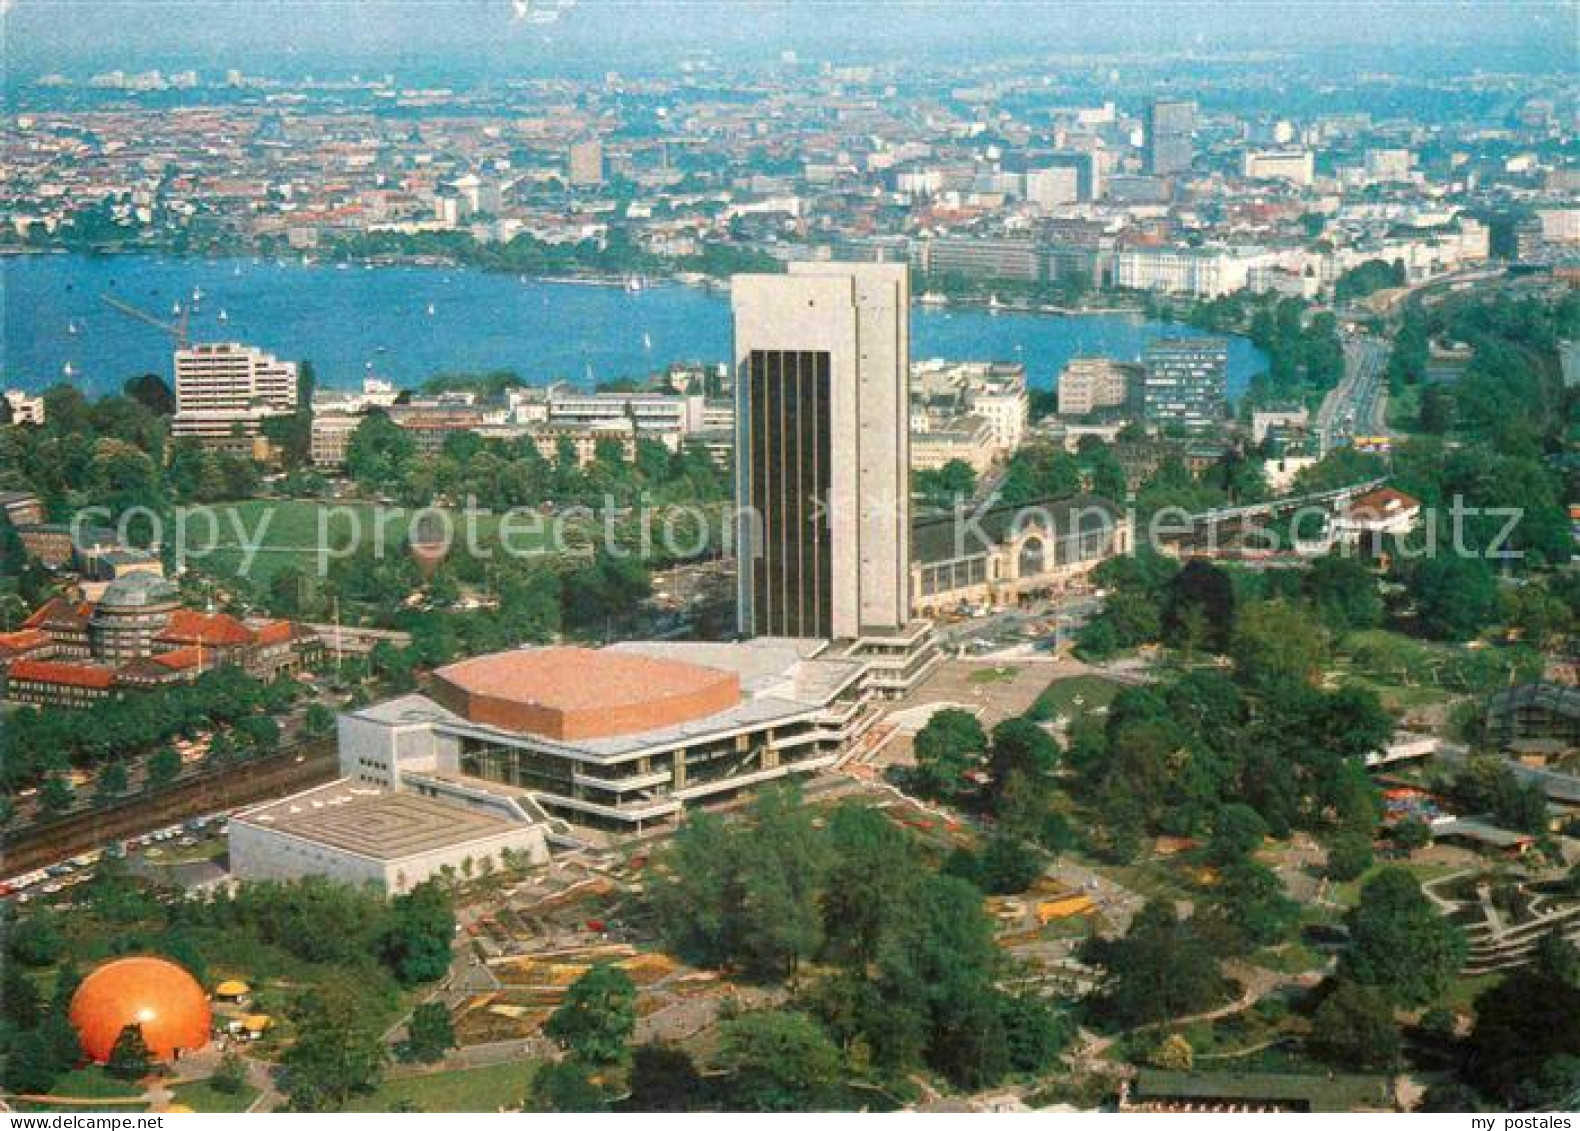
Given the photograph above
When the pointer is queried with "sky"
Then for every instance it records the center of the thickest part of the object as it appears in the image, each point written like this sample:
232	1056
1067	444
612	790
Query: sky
461	37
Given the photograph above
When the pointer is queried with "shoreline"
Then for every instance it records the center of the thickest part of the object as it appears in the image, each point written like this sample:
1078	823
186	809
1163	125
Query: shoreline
712	283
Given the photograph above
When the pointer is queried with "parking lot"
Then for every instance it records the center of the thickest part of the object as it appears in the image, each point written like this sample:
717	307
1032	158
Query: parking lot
185	854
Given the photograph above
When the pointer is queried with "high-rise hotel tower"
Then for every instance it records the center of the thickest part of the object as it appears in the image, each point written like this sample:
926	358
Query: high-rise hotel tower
822	358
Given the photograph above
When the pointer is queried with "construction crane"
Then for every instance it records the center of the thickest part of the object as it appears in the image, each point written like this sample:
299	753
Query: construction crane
177	329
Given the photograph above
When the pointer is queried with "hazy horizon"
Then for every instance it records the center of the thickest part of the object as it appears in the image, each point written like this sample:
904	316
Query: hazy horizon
481	38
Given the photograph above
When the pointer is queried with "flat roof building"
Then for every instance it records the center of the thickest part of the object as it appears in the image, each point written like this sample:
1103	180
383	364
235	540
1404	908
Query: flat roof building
225	390
1186	383
360	834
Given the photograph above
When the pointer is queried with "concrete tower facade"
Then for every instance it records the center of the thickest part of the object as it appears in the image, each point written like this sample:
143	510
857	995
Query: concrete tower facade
822	358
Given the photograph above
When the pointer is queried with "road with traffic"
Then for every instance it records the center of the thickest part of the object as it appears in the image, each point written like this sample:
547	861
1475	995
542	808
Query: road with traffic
1357	406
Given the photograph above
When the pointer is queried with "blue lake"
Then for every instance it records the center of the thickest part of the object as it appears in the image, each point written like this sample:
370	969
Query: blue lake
408	323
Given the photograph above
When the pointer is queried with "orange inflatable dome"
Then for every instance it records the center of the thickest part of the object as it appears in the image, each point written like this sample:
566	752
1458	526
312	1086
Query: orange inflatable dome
151	992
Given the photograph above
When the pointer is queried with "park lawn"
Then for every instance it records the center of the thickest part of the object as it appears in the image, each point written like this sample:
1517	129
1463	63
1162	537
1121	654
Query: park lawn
1289	958
203	1096
465	1089
90	1083
994	675
1462	992
288	533
1094	692
93	1082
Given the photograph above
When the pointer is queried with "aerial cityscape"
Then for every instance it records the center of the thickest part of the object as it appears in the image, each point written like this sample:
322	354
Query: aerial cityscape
583	556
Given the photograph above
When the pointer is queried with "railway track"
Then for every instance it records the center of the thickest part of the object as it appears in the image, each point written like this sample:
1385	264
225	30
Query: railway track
236	786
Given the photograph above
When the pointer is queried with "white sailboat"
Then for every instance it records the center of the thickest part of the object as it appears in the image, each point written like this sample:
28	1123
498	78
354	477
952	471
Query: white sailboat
647	341
223	317
69	370
430	310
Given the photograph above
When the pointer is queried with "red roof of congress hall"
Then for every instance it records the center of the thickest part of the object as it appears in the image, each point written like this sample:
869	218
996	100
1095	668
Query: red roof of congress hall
580	693
68	675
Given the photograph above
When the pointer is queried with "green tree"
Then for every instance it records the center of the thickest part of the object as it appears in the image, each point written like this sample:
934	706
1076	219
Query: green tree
1399	943
380	452
56	794
1525	1041
746	893
429	1034
664	1078
112	780
946	486
1200	608
1455	597
567	1086
163	767
1162	968
318	719
30	1066
1250	901
1237	833
778	1061
1343	592
1411	835
20	1003
947	748
416	942
874	876
35	939
1349	856
598	1016
129	1056
230	1075
1020	748
1354	1029
337	1054
1278	640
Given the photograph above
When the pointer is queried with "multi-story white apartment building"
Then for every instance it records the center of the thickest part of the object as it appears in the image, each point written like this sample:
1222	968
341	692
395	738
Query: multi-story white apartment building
224	391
